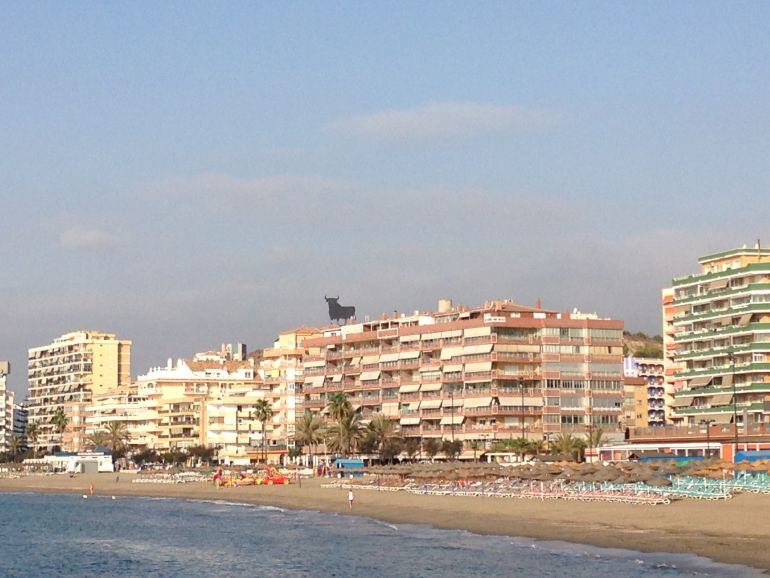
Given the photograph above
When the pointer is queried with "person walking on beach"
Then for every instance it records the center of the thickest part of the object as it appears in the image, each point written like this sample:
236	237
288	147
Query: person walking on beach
351	497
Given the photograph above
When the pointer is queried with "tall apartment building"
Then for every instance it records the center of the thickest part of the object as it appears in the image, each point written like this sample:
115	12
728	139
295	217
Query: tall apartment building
645	392
475	374
6	407
20	422
719	322
281	369
70	370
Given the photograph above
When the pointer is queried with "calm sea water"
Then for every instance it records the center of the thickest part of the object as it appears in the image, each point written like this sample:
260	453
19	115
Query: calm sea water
64	535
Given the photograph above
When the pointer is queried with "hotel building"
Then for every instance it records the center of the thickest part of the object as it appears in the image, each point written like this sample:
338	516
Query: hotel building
645	392
6	407
480	374
70	370
281	369
719	323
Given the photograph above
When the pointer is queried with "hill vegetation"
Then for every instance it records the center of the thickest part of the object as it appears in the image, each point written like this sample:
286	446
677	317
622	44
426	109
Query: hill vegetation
640	344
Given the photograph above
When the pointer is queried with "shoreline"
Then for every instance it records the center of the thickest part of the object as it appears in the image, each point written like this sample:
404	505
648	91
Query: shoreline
732	532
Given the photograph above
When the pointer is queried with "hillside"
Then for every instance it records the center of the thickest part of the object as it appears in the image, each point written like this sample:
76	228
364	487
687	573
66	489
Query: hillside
642	345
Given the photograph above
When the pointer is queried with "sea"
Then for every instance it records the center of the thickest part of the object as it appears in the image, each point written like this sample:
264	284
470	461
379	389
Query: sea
66	535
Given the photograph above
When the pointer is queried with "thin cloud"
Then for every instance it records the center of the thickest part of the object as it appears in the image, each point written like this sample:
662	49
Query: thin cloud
449	120
80	238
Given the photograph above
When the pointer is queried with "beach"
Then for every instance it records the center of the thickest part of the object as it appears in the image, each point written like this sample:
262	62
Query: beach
732	531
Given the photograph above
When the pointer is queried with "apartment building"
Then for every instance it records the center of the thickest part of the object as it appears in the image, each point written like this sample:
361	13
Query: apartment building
645	392
719	320
6	407
475	374
70	370
281	369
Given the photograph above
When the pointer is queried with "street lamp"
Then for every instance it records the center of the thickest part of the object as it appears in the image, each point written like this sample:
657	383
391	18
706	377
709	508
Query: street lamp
707	423
731	357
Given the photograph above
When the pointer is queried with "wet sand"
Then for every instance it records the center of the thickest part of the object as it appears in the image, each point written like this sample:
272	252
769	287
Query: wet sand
735	531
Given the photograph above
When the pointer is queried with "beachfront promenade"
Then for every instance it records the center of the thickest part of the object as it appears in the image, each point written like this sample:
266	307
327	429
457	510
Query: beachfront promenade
734	531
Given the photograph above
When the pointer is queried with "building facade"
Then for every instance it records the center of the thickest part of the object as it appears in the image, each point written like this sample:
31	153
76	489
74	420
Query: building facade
720	323
70	370
479	374
6	407
645	401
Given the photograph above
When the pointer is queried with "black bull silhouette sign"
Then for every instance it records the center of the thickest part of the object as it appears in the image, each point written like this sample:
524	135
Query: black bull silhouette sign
339	312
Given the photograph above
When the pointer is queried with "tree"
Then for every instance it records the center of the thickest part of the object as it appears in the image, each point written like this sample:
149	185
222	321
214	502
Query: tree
117	438
294	452
174	457
596	437
475	445
14	446
263	412
145	456
343	435
431	446
60	422
33	431
97	439
309	431
520	446
383	431
339	405
452	449
202	453
568	446
412	447
536	447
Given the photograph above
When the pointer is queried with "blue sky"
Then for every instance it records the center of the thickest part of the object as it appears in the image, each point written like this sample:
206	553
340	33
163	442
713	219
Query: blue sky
185	174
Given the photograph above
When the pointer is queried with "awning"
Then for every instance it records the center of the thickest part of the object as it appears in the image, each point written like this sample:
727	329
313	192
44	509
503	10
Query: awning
481	366
336	378
430	404
386	357
390	409
478	402
477	349
431	386
408	338
478	380
316	363
315	380
478	331
370	375
452	419
517	401
721	399
411	406
410	421
409	354
409	388
727	379
457	402
370	359
721	418
700	381
744	320
718	284
427	368
453	333
355	361
452	368
683	401
449	352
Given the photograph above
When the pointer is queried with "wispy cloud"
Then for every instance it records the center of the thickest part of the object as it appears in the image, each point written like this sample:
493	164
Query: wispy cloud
447	120
88	239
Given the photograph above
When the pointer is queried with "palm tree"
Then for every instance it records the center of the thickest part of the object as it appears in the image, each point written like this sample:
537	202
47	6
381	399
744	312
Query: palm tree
343	436
520	446
60	422
568	445
33	431
117	436
412	447
536	447
596	437
98	439
339	405
263	412
309	431
14	445
383	431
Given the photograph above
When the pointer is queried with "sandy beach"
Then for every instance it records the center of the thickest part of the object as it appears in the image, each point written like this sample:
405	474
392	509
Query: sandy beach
734	531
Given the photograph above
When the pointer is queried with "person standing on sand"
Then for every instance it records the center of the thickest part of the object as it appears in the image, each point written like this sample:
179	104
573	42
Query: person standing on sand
351	497
91	489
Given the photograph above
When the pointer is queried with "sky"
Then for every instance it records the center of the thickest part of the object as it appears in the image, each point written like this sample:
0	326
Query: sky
186	174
